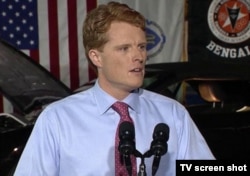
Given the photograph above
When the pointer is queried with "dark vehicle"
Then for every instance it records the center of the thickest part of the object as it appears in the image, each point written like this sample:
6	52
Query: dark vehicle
29	87
216	95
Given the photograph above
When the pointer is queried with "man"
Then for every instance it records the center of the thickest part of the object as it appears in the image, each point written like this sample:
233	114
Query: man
76	135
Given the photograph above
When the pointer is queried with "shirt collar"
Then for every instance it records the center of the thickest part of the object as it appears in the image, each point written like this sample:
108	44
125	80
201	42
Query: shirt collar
104	101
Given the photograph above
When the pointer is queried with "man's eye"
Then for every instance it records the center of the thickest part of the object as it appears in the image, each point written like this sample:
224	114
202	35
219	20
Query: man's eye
124	48
142	47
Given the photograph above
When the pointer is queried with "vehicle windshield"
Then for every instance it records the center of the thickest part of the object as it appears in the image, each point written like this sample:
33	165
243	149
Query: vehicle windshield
26	83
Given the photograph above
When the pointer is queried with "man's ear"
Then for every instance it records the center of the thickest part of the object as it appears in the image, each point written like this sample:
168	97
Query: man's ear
95	57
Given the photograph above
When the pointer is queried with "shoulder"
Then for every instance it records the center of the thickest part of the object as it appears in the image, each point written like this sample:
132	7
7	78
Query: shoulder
156	97
162	102
78	99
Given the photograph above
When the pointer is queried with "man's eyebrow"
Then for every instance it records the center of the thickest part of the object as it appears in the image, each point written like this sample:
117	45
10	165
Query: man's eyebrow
128	44
143	43
122	45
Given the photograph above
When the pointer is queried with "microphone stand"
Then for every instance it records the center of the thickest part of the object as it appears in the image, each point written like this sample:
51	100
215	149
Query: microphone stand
156	163
128	164
142	169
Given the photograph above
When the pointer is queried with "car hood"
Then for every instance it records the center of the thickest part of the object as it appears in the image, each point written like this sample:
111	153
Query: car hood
214	81
25	83
202	70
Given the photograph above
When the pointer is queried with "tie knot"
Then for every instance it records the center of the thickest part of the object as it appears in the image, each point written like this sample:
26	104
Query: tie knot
121	108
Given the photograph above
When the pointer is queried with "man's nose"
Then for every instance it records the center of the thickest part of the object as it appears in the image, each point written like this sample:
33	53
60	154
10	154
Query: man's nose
139	55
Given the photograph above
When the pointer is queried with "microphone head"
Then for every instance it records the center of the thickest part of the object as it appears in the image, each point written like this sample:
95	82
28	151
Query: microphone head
160	136
126	131
127	138
161	132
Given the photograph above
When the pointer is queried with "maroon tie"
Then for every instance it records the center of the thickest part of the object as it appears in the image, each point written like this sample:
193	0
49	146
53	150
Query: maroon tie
120	169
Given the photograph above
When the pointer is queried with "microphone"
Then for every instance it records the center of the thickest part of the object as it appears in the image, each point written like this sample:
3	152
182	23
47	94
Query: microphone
127	143
159	144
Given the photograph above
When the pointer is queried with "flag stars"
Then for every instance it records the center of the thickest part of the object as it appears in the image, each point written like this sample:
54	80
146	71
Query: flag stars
19	23
18	42
10	21
23	7
32	42
24	21
12	35
18	28
10	7
3	13
31	28
4	28
17	14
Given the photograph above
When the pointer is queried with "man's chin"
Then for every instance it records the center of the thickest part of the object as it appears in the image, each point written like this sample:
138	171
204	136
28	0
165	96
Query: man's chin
135	86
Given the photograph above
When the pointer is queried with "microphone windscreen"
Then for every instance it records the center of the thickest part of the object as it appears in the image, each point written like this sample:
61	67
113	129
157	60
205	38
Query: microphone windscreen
126	131
161	132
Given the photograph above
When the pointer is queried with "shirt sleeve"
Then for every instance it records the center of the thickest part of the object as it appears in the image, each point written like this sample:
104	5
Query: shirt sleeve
40	156
192	144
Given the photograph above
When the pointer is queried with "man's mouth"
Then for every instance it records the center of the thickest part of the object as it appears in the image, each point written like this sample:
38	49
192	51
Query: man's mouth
136	70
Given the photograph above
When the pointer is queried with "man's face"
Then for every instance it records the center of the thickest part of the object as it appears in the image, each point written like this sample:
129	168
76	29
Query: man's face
122	59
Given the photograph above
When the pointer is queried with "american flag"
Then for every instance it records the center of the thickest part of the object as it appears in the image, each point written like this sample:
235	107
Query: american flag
49	31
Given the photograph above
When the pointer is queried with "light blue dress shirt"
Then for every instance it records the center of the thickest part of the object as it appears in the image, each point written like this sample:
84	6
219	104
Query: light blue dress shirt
76	135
